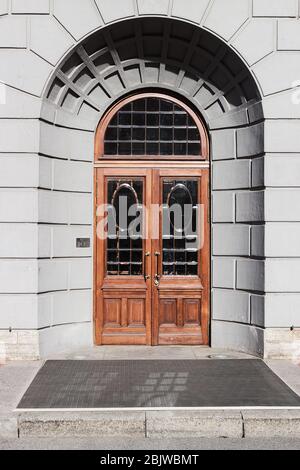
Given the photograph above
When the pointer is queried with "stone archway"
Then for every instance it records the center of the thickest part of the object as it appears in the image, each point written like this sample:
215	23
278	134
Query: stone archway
152	53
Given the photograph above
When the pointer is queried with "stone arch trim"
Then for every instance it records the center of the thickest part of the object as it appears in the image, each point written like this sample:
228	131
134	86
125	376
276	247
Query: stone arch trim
153	52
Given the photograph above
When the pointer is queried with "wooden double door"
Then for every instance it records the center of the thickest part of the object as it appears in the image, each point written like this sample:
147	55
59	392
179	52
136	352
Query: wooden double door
152	256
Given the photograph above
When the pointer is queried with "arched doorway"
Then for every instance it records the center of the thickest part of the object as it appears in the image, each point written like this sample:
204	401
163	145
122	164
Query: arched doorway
163	55
152	223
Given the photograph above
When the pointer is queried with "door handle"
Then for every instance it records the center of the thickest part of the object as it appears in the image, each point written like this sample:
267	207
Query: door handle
157	275
146	276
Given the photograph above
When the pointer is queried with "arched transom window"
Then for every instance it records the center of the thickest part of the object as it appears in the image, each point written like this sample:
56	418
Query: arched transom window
152	126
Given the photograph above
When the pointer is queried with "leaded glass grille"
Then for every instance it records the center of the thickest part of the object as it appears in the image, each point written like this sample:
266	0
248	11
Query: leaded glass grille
180	234
152	126
125	240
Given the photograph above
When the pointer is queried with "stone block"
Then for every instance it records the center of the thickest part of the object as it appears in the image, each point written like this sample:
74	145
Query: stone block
53	207
45	173
231	174
258	172
250	141
263	30
66	143
231	305
62	338
84	18
44	241
289	35
223	206
80	209
282	170
250	206
258	241
72	307
257	307
282	275
18	205
278	71
8	426
110	13
194	12
82	424
272	423
275	8
282	205
80	273
73	176
20	311
231	240
223	144
236	13
237	337
224	273
18	240
250	275
282	136
208	424
24	70
64	241
27	175
19	104
283	105
150	7
30	7
18	276
45	30
53	275
282	239
282	310
13	32
19	135
3	7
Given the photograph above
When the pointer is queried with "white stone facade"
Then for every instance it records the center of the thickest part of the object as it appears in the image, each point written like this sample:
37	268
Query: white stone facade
49	114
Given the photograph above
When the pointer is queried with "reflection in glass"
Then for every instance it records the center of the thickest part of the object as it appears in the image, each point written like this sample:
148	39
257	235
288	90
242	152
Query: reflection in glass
124	250
180	233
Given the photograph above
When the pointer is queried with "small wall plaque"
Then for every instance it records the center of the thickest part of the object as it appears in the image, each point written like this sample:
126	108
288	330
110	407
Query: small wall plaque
83	242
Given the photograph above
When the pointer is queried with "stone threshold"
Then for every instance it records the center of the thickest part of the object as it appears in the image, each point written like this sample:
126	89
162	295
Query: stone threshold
203	423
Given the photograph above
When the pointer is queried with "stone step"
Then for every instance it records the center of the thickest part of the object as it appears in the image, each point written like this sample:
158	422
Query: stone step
161	423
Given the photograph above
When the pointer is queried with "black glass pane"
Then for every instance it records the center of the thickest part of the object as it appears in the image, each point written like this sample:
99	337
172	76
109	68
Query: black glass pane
152	126
180	233
152	134
138	133
166	134
138	148
124	249
166	149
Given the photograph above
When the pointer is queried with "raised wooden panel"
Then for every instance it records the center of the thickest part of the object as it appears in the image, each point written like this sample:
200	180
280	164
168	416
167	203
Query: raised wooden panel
136	312
112	312
168	312
192	311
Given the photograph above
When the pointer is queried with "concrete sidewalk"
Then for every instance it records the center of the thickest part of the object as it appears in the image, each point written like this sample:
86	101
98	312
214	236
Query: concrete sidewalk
140	423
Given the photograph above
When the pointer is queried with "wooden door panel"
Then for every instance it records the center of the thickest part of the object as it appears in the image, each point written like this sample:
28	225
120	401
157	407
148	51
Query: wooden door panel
161	306
180	296
123	290
112	313
136	312
192	312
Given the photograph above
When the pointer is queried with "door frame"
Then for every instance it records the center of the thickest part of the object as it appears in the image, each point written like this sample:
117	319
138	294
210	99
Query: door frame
200	163
186	170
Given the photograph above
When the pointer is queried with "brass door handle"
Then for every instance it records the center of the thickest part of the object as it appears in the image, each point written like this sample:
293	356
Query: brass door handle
157	275
146	276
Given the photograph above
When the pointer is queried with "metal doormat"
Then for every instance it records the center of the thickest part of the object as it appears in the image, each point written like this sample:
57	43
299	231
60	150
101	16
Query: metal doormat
157	384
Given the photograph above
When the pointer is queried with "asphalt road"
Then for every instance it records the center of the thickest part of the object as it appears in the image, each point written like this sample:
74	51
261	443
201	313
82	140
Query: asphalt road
149	444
